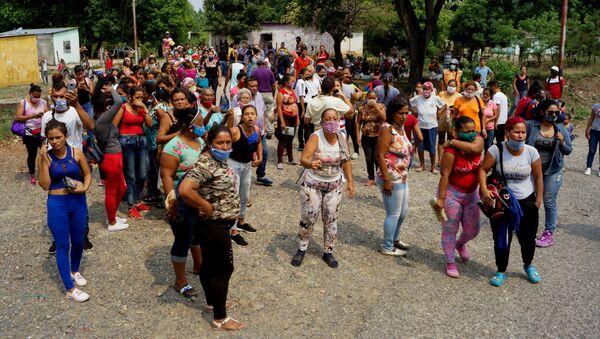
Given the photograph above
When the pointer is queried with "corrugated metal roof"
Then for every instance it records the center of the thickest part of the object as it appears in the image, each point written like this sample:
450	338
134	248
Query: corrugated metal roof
37	31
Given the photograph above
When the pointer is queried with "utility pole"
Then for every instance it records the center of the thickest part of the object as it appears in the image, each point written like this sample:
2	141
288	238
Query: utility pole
135	41
563	35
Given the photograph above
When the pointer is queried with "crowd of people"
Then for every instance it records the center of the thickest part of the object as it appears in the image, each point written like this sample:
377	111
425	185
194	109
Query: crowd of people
167	141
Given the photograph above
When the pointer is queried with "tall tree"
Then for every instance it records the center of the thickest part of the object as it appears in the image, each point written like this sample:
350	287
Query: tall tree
235	18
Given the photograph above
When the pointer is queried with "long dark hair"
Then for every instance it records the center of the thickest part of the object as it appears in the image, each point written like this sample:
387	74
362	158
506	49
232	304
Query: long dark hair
394	106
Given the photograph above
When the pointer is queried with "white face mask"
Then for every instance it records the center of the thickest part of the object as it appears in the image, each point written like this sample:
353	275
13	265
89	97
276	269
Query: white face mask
469	95
451	89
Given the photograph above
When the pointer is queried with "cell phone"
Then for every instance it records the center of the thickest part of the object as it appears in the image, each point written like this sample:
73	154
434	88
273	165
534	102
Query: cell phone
71	86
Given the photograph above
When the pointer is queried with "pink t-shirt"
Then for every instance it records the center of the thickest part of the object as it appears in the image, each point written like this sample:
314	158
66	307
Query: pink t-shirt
488	112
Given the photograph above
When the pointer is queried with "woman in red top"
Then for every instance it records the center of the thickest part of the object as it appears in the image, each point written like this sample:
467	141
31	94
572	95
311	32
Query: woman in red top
287	120
322	56
457	191
130	119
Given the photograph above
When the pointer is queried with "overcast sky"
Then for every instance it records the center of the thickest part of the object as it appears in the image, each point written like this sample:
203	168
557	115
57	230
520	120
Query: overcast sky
196	3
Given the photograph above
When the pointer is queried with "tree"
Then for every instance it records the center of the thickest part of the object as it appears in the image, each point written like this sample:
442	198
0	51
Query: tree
235	18
419	31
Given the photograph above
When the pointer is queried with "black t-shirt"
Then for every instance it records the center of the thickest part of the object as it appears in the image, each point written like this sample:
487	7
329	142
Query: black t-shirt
283	63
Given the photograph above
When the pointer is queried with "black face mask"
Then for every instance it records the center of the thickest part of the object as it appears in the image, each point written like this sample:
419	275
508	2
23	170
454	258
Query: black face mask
553	73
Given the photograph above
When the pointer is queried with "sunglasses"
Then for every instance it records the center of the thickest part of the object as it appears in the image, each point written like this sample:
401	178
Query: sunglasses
553	112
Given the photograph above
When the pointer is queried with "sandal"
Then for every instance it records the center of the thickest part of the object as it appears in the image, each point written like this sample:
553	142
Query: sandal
498	279
330	260
533	276
420	169
187	291
221	325
211	308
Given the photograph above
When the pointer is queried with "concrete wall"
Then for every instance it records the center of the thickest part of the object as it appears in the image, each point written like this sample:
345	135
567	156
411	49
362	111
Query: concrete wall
18	61
45	48
72	36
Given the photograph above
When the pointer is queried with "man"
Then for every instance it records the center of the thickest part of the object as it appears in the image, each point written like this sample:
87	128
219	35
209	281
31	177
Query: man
283	64
485	72
555	84
68	111
302	61
330	97
244	51
283	50
502	101
453	73
262	119
300	45
44	70
354	93
266	88
232	71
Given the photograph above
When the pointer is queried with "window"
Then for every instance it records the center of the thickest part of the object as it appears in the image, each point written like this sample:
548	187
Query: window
67	46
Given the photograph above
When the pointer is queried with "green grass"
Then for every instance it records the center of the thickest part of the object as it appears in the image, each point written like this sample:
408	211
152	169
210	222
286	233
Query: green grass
6	119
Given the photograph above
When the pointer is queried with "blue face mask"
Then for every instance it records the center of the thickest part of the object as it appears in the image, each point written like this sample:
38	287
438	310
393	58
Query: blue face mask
198	130
516	145
61	105
220	155
124	98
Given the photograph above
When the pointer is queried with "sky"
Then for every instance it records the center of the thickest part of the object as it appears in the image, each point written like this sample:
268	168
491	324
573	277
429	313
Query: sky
196	3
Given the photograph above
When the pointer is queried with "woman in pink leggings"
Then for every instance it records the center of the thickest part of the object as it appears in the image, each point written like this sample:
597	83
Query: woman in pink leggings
457	191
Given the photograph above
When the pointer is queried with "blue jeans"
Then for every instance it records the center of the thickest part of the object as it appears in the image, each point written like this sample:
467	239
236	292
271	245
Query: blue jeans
489	140
243	172
552	184
261	171
396	209
593	147
67	219
135	166
88	108
223	67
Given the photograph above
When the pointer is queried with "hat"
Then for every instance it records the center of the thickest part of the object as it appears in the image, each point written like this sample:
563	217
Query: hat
260	61
428	85
554	68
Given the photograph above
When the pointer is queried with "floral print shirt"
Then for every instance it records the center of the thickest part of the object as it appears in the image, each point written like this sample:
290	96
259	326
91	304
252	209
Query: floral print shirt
397	157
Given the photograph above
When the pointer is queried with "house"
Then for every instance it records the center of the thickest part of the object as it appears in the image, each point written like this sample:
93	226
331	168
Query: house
52	43
278	33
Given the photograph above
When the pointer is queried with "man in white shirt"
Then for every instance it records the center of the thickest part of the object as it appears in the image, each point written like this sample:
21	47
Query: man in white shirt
340	103
354	93
502	101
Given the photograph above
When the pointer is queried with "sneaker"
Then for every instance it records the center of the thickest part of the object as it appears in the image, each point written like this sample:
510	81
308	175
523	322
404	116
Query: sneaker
101	183
498	279
134	213
354	156
401	245
294	162
87	244
588	171
463	252
246	227
280	166
32	180
452	270
78	295
153	200
238	239
78	279
117	227
533	276
264	181
143	207
121	220
395	252
298	257
545	240
52	249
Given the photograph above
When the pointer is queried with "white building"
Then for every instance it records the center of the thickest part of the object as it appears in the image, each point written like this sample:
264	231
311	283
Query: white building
278	33
53	43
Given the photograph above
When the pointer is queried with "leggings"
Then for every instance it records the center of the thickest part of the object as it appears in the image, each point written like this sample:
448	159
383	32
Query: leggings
152	177
526	235
351	131
369	145
217	262
304	131
115	187
67	218
317	196
32	144
461	208
285	141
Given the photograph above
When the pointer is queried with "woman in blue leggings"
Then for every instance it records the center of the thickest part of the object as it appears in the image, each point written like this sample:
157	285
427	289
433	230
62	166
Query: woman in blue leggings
65	174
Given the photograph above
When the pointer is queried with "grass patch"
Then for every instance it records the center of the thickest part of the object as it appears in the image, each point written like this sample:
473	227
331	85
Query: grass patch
6	118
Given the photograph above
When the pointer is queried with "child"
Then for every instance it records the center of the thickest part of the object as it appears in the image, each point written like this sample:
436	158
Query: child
201	79
570	128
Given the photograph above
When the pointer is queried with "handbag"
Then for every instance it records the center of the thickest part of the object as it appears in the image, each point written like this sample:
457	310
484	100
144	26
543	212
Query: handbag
92	149
496	184
18	127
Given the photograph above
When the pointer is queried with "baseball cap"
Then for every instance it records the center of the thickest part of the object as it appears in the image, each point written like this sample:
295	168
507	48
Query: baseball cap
554	68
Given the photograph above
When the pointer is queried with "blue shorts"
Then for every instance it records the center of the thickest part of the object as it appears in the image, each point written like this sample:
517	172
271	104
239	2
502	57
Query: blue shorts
429	136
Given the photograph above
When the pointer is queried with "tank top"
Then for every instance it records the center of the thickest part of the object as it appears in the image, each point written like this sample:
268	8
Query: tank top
243	149
61	168
331	160
131	124
29	109
397	157
465	171
521	83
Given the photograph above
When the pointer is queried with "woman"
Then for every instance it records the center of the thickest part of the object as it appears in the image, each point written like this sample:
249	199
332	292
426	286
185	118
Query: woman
470	105
520	86
30	111
187	71
67	207
241	83
246	153
178	156
168	73
393	157
244	98
491	112
85	88
523	175
126	67
106	104
449	96
156	100
592	133
130	118
368	122
325	158
457	191
213	71
208	190
168	128
322	55
287	120
552	142
428	107
386	92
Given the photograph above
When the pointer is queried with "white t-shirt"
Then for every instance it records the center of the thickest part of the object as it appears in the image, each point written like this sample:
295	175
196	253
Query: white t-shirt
427	109
502	102
301	90
517	169
73	122
322	102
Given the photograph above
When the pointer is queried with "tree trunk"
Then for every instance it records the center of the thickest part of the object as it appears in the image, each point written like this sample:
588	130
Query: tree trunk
337	49
417	60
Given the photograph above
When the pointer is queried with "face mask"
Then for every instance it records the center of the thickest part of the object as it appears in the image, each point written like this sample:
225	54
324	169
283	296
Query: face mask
516	145
198	130
469	95
467	136
550	117
34	101
242	83
453	67
207	103
211	58
331	126
123	98
61	105
451	89
202	75
193	89
219	155
426	94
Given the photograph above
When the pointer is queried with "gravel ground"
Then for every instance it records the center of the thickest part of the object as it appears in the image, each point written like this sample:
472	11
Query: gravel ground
369	295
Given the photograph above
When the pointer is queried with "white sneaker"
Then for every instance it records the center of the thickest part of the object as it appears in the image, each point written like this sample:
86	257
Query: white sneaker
119	221
354	156
588	171
77	295
117	227
395	252
78	279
